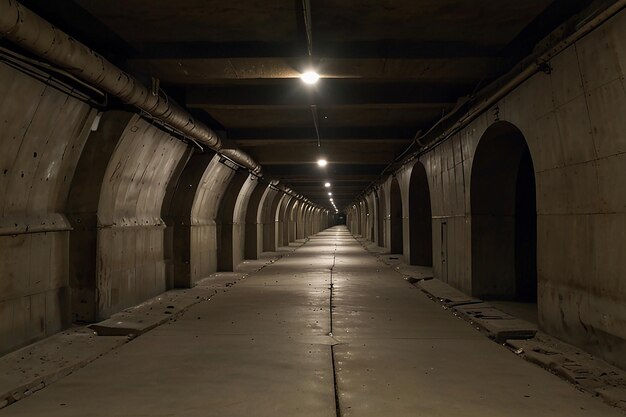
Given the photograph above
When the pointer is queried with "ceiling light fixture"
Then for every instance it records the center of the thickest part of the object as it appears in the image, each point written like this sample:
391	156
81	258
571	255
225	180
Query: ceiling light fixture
322	162
330	193
327	185
310	77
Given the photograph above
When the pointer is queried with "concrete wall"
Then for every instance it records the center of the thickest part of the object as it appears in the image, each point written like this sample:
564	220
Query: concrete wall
282	221
192	216
239	219
266	216
291	221
230	221
43	132
573	123
97	220
381	219
116	202
254	221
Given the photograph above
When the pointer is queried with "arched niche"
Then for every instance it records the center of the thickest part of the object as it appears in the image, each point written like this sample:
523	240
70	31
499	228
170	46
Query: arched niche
503	217
396	217
420	218
382	212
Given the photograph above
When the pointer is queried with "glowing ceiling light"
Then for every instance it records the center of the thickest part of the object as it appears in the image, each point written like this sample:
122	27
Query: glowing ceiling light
331	199
327	185
330	193
310	77
322	162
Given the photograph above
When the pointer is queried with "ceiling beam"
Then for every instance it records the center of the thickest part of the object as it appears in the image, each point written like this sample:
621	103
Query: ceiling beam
289	152
337	133
332	172
339	49
326	93
200	71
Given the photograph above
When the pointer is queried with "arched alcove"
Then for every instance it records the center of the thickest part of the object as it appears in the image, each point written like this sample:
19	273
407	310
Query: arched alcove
504	217
363	218
372	217
382	212
396	217
420	218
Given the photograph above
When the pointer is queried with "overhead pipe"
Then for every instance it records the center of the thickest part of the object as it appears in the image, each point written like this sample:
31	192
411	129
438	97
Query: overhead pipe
241	158
25	28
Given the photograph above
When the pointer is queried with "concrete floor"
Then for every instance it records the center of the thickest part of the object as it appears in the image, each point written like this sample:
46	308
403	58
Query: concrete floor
263	349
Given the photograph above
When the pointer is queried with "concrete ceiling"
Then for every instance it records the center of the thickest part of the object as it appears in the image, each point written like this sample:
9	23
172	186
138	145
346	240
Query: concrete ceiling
389	69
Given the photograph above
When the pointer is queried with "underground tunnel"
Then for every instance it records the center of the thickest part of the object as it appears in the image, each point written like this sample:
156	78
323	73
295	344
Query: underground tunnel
312	208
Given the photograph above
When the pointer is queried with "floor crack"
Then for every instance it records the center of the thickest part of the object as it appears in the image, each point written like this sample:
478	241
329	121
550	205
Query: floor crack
332	348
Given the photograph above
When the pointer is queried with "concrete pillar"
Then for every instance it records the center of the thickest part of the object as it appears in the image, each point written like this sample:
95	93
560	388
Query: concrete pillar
128	164
373	217
192	244
231	221
279	220
284	220
386	212
42	135
300	221
292	223
267	217
254	224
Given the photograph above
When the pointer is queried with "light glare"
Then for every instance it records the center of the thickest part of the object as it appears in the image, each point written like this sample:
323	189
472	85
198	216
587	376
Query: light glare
310	77
327	185
322	162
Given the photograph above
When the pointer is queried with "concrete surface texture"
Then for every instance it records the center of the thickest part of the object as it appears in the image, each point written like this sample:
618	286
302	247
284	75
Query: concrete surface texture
572	122
43	133
104	206
326	331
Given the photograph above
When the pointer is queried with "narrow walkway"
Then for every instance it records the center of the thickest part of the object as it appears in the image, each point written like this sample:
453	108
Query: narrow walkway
263	349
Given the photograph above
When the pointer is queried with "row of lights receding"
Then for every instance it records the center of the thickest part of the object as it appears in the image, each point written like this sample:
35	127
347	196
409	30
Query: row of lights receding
312	77
327	185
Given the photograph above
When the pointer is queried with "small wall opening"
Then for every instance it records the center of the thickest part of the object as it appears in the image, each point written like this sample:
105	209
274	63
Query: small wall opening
396	217
504	217
420	218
